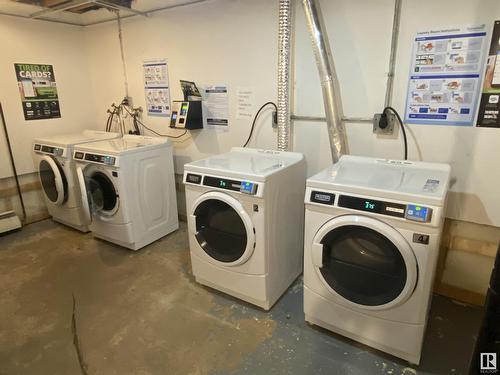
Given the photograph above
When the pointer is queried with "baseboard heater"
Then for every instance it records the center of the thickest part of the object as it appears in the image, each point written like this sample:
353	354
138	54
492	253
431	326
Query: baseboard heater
9	221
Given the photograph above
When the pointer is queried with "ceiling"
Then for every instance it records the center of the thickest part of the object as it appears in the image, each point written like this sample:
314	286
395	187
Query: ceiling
86	12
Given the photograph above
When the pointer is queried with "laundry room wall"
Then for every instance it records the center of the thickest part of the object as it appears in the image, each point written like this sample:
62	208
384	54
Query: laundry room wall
360	36
234	42
39	42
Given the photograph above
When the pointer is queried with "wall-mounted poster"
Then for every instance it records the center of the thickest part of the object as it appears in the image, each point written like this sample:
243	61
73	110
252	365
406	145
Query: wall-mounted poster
156	87
445	76
489	109
38	90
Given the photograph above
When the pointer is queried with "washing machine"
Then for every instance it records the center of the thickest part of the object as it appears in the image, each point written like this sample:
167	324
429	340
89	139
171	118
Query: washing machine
371	246
245	219
53	159
128	189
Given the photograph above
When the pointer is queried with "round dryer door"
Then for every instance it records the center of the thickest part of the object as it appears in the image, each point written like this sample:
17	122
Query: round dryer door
101	193
222	228
365	262
53	180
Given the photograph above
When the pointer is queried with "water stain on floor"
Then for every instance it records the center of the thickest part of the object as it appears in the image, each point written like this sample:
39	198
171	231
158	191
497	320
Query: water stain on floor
135	312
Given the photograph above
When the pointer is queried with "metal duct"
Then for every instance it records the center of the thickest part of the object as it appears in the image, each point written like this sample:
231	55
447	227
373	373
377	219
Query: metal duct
284	37
328	77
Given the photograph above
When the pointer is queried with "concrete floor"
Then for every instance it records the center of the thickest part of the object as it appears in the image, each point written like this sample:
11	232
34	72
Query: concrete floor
70	304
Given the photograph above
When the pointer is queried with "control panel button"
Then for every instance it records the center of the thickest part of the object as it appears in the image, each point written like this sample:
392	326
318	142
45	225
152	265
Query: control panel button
248	187
322	197
418	213
193	178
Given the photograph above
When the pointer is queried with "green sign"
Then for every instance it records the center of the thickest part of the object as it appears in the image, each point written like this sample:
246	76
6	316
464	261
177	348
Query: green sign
38	90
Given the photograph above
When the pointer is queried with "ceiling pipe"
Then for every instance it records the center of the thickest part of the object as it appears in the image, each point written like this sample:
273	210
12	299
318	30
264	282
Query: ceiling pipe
60	8
328	77
284	45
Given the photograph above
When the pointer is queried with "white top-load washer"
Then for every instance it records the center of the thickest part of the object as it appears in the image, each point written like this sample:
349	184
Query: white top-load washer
128	189
53	159
245	219
371	246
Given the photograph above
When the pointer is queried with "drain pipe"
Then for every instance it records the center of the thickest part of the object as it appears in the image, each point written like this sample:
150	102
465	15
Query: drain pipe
284	45
328	77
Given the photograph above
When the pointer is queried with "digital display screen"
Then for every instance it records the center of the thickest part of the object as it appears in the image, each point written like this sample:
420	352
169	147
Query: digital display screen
193	178
418	213
322	197
109	160
372	205
184	109
78	155
222	183
248	187
48	149
37	147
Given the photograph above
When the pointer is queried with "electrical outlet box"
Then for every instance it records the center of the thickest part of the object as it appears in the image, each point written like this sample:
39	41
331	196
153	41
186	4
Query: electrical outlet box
391	123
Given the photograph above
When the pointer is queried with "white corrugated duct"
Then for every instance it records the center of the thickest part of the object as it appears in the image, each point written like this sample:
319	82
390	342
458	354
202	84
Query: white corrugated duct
328	76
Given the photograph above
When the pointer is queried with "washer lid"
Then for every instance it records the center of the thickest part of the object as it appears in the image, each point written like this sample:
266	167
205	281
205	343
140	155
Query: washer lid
396	179
125	145
86	136
245	163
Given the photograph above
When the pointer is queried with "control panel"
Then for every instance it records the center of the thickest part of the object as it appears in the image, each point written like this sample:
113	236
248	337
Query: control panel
57	151
186	115
418	213
95	158
245	187
404	211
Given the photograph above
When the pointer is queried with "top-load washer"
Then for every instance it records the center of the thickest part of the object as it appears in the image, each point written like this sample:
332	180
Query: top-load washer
245	218
128	189
372	235
53	158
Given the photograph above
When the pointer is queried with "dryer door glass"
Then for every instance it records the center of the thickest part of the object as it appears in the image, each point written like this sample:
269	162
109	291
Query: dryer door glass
220	231
49	170
362	265
101	192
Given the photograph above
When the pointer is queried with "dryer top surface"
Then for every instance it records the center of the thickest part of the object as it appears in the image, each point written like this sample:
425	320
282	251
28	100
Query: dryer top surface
386	178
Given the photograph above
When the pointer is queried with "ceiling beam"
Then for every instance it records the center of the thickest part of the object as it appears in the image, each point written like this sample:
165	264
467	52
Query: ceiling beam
111	5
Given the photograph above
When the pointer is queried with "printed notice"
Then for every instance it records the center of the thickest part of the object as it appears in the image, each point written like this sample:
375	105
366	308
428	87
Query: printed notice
156	87
445	76
246	100
489	109
38	90
216	107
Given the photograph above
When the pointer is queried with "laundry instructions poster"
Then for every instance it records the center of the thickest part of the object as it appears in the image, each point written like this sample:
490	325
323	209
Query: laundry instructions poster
445	76
216	107
38	90
156	87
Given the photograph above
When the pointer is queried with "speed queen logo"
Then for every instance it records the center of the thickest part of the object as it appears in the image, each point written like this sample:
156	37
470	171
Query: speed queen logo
488	364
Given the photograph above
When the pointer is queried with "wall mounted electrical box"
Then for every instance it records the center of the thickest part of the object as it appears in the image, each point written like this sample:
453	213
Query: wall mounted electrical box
186	114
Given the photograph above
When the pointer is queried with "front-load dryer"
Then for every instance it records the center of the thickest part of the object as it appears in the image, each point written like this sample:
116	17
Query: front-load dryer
371	246
53	159
128	189
245	219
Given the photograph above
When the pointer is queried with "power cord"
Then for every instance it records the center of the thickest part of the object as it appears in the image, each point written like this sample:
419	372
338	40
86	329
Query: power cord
383	124
257	116
154	132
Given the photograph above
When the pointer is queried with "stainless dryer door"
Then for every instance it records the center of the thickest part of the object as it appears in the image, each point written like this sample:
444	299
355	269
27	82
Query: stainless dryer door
365	262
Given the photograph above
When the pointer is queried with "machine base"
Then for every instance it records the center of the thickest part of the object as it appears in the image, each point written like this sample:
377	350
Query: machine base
377	333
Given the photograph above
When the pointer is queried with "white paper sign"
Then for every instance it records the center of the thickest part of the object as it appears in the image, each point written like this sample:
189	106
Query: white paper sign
216	107
156	87
246	103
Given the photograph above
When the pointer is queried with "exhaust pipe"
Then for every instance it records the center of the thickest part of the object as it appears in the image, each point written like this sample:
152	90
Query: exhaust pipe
328	77
284	41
